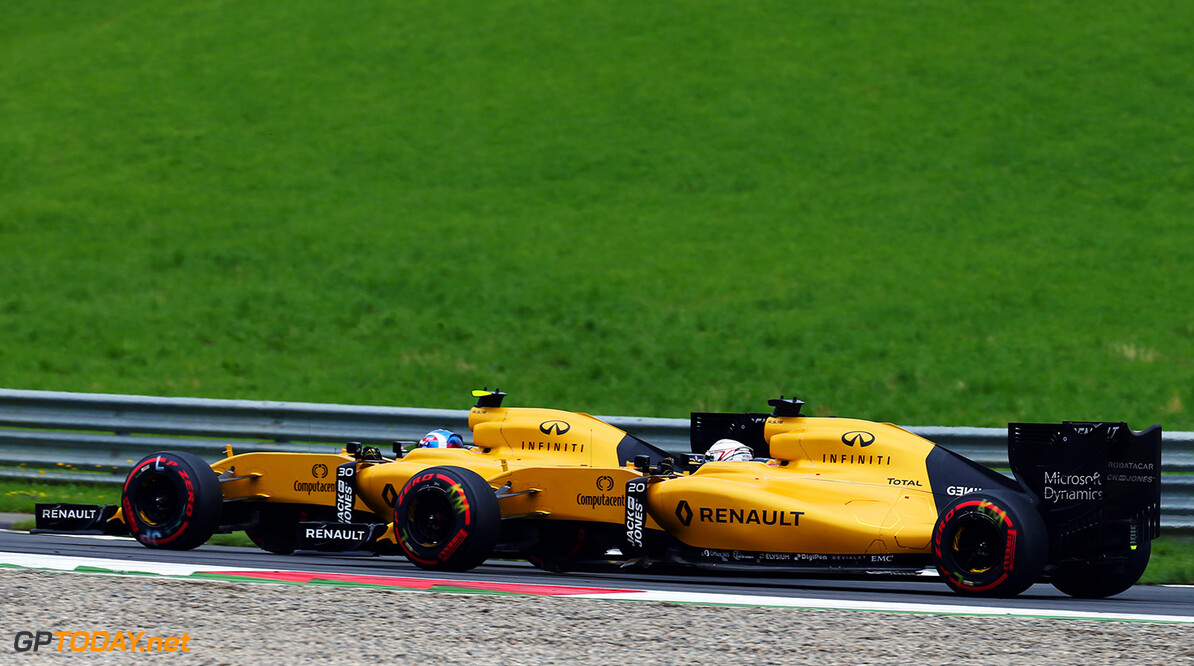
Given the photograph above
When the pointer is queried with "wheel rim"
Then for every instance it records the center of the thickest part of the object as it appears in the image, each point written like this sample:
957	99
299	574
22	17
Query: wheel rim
431	517
976	545
157	500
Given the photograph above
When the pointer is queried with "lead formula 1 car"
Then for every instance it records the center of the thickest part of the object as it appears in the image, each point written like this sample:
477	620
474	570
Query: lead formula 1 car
567	490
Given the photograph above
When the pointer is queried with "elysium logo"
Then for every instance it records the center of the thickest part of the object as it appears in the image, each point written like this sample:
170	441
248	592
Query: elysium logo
859	437
319	471
554	427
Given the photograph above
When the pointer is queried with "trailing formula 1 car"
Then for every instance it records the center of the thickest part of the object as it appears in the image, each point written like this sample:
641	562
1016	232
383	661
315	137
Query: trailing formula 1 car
567	490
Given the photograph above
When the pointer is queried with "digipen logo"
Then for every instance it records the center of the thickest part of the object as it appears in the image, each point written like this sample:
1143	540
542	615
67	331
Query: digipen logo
319	471
605	483
859	437
554	427
684	513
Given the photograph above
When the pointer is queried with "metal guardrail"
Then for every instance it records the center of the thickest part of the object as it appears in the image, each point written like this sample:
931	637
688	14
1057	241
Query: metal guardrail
90	437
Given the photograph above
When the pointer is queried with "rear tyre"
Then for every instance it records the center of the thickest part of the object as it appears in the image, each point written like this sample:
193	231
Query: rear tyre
447	519
277	528
172	500
991	543
561	547
1095	580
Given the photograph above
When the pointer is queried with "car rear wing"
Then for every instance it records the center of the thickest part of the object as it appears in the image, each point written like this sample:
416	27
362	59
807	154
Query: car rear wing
1098	485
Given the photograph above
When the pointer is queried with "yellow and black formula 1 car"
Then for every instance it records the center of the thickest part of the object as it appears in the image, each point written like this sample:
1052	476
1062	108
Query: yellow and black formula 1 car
567	490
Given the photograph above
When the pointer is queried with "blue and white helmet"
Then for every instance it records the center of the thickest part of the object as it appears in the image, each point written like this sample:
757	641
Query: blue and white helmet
441	439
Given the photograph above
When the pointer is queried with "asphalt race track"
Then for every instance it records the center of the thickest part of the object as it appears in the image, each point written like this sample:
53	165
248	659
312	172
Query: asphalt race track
927	590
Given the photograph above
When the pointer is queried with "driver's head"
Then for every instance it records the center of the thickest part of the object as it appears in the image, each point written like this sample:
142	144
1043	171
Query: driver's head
728	449
441	439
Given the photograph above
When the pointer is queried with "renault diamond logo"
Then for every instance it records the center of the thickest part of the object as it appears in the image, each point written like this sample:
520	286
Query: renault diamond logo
684	512
319	471
388	495
859	437
554	427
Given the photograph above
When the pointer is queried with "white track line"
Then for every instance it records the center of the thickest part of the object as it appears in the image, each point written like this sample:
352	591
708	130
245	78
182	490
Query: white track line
65	563
883	606
97	537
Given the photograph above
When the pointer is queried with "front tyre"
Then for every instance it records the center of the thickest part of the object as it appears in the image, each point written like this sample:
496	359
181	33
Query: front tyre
447	519
172	500
990	543
1104	578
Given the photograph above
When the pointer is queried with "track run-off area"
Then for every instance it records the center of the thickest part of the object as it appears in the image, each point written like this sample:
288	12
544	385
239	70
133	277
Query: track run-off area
112	598
924	594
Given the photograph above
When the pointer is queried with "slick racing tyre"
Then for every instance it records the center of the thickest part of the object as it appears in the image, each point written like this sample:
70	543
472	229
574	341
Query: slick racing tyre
172	500
1104	578
276	528
990	543
447	519
559	546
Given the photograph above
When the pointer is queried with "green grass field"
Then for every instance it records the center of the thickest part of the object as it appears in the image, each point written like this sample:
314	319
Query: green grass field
928	213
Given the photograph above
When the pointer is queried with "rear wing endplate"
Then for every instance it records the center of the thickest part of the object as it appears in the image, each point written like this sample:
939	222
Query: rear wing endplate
1098	485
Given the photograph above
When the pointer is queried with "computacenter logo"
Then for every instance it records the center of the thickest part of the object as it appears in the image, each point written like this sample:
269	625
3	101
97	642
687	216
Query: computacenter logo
554	427
319	471
860	438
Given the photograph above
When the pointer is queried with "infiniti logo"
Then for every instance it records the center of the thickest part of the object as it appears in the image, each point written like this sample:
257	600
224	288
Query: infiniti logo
859	437
554	427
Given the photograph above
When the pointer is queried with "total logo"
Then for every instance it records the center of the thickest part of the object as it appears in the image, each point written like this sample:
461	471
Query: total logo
903	482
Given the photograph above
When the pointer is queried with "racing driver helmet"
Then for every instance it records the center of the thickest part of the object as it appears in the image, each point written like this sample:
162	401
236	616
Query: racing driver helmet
728	449
441	439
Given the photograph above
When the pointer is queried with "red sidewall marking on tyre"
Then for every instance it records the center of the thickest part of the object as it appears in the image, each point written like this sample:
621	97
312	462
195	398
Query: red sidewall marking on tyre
452	545
986	504
188	510
1009	545
416	558
453	486
128	515
460	535
1009	552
